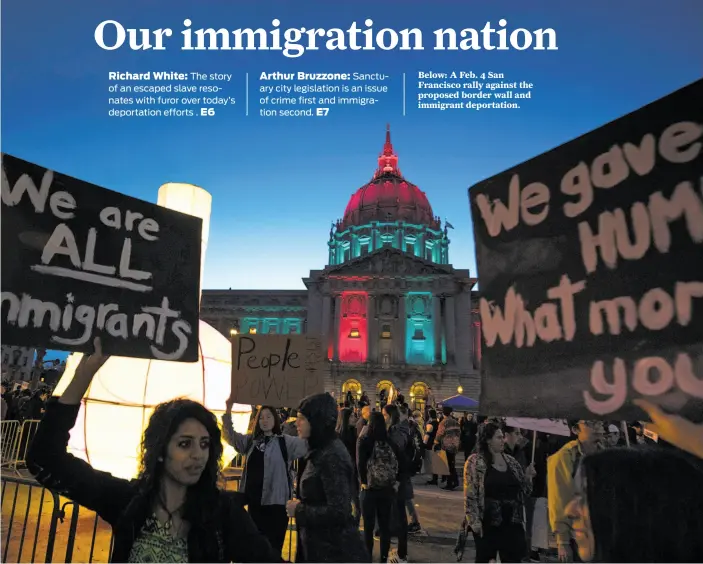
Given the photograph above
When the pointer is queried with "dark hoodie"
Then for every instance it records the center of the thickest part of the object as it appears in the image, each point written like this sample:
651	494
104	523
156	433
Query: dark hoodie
326	527
401	436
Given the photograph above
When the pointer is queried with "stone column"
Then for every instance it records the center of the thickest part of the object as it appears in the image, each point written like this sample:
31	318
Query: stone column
327	322
451	329
372	329
335	334
402	329
464	332
437	328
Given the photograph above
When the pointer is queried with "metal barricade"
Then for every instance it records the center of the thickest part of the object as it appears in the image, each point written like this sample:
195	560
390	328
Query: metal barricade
16	438
39	526
9	431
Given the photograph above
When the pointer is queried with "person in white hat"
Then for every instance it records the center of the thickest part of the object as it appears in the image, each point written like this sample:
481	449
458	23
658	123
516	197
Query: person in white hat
612	436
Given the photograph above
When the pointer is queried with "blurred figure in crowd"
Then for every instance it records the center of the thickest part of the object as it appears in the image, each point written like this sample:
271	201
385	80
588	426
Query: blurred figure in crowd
561	470
637	505
346	432
612	436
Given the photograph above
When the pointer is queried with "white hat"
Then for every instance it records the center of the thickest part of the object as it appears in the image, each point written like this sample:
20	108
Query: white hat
613	429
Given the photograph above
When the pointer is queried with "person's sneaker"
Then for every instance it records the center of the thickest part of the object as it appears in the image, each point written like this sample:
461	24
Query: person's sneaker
393	557
535	556
414	528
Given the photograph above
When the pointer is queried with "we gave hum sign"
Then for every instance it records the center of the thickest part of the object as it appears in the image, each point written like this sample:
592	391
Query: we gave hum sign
590	263
80	261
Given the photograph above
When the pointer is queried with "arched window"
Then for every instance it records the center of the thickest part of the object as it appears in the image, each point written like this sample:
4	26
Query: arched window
353	386
387	387
418	396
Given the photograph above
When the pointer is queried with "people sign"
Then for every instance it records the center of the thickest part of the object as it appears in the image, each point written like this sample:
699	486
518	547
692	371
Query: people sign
80	261
276	370
590	263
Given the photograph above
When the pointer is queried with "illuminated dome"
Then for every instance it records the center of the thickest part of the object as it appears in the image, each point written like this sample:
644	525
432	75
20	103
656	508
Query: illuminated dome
124	392
388	211
389	196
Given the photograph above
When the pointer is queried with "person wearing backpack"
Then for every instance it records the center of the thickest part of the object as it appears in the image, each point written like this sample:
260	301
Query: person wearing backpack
449	440
377	463
267	476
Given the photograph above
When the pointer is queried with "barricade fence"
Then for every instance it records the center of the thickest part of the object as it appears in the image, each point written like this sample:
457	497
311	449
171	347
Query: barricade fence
40	526
16	437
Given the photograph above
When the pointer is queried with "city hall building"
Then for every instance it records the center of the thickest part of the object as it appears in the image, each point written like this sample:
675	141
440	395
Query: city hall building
389	306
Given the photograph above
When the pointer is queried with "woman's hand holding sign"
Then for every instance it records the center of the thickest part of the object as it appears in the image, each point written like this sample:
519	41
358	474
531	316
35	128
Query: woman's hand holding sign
85	372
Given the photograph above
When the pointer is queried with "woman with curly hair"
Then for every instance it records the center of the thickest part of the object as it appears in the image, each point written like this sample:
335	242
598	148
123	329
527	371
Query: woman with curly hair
173	511
266	478
495	489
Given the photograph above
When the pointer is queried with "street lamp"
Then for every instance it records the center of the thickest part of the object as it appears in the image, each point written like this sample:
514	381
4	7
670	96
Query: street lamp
460	390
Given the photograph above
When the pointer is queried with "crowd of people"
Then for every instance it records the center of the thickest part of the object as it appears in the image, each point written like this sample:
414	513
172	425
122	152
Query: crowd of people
332	468
22	404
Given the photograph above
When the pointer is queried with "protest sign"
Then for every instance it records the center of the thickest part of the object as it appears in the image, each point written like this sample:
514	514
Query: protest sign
80	261
551	426
591	273
276	370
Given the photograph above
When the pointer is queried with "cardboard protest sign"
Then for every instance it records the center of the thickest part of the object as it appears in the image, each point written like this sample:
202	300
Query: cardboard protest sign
276	370
80	261
435	463
590	263
551	426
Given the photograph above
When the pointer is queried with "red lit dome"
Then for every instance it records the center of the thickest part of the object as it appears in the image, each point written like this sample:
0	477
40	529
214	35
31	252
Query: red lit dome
388	197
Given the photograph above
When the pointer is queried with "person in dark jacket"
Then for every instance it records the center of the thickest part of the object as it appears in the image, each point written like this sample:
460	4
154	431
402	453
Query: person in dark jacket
515	445
399	434
173	511
377	500
327	531
431	428
347	434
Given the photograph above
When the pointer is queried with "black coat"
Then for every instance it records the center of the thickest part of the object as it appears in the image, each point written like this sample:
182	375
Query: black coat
327	531
228	535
